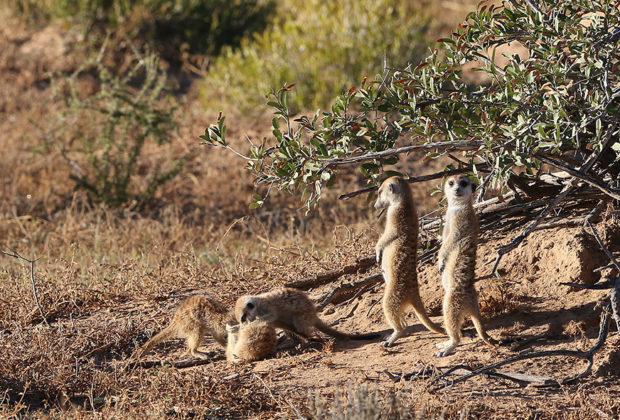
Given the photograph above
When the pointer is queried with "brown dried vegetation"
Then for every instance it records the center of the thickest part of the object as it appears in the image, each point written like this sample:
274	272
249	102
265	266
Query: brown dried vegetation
108	279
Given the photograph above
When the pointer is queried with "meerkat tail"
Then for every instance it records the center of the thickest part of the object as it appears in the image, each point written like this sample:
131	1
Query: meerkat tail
324	328
418	308
481	331
166	333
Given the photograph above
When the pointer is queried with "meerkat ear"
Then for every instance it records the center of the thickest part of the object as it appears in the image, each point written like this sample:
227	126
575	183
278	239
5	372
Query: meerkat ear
394	188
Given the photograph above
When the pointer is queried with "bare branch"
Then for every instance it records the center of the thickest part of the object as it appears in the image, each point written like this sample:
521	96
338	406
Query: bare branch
323	278
587	355
34	285
612	192
412	179
446	145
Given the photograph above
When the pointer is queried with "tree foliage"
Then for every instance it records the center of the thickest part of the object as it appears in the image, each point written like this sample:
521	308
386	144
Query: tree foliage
558	105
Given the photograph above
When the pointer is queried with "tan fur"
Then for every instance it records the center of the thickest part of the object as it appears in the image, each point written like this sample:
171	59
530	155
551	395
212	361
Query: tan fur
194	317
290	310
396	252
249	342
457	263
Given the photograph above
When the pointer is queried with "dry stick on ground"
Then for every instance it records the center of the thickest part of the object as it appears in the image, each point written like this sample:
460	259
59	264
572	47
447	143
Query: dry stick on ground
587	355
348	287
34	285
180	364
320	279
615	291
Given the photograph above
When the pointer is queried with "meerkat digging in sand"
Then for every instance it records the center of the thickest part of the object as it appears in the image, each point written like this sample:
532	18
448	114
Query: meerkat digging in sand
396	252
290	310
192	319
457	263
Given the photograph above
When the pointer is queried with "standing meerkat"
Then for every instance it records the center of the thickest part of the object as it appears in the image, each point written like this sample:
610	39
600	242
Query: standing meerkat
192	319
457	263
249	342
396	252
290	310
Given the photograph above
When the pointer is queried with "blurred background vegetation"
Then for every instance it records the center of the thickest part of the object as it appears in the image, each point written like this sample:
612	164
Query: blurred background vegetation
216	55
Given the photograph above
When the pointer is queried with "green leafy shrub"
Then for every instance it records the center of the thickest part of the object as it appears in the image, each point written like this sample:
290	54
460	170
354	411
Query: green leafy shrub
558	105
322	46
167	26
105	132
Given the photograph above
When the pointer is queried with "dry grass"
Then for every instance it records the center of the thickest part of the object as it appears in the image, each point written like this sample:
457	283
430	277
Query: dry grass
107	279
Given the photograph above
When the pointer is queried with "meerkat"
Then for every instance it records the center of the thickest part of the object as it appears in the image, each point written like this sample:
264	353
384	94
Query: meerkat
457	263
290	310
250	342
396	252
192	319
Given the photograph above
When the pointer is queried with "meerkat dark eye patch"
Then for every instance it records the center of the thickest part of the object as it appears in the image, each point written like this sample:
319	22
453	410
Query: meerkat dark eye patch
463	183
250	305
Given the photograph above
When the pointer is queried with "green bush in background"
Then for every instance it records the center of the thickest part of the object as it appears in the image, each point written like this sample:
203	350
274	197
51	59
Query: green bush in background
167	26
323	47
104	133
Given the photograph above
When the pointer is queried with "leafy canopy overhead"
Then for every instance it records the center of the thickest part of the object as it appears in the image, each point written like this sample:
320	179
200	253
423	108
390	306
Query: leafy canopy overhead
556	104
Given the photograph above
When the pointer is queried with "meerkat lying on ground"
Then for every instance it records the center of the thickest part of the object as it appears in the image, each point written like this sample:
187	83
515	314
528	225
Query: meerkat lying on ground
457	263
396	252
192	319
249	342
290	310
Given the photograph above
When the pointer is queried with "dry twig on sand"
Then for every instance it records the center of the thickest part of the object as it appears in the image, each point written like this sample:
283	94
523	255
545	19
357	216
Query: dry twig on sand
34	285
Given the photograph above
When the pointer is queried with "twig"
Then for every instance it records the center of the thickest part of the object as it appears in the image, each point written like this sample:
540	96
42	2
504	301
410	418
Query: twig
602	245
504	249
412	179
587	355
180	364
597	286
446	145
323	278
295	409
348	287
34	285
615	303
612	192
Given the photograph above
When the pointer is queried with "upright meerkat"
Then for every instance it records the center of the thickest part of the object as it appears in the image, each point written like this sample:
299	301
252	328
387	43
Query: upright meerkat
249	342
396	252
192	319
290	310
457	262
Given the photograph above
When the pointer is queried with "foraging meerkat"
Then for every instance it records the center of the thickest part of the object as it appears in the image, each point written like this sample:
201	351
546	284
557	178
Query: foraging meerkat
290	310
396	252
249	342
457	263
192	319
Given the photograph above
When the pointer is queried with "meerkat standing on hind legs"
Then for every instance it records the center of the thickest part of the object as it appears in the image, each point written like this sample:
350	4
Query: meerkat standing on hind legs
290	310
192	319
457	263
396	252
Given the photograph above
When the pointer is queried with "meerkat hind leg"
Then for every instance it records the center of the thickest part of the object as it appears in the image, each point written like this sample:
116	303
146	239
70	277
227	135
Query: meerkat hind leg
393	310
453	318
193	341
